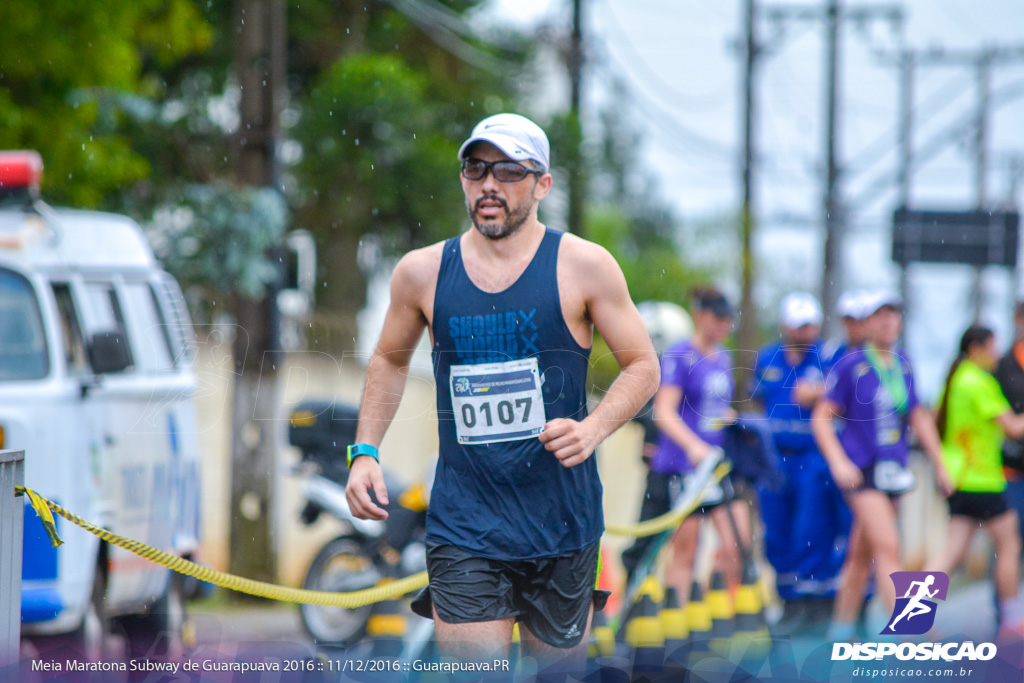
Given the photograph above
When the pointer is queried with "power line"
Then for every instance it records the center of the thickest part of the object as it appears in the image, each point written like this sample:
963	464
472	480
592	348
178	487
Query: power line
935	104
884	183
692	140
639	61
439	30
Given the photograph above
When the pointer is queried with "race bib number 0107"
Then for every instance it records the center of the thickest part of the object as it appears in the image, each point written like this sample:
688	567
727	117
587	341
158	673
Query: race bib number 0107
497	401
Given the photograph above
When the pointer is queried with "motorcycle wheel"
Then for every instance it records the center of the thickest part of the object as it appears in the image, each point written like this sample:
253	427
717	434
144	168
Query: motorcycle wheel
341	566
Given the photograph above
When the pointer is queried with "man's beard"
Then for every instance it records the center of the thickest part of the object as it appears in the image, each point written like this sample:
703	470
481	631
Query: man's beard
496	229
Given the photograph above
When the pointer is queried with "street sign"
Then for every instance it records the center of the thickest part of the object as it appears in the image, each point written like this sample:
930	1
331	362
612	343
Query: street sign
975	238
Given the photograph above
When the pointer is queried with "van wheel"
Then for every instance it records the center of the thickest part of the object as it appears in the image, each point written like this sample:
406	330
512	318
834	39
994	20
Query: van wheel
160	633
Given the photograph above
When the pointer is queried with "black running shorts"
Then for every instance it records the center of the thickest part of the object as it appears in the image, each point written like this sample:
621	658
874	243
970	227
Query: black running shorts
551	596
980	506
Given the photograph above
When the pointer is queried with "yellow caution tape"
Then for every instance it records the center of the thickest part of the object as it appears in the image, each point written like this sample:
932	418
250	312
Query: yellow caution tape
671	519
367	596
387	589
39	505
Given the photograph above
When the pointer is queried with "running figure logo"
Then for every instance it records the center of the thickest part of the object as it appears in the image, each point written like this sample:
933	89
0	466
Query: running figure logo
914	613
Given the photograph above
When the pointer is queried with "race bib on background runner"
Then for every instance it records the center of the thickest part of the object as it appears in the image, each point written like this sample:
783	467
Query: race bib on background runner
495	402
892	477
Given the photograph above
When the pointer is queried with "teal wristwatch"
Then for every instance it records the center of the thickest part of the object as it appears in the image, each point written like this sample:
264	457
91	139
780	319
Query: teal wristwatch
357	449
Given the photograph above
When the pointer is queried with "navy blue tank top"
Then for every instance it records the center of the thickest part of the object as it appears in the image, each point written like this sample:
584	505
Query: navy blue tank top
497	492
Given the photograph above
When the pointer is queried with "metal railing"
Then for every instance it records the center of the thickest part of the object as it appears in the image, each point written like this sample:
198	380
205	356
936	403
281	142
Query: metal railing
12	512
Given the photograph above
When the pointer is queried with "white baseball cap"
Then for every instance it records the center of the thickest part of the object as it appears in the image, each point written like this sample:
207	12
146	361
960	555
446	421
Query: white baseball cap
799	309
877	300
517	136
851	304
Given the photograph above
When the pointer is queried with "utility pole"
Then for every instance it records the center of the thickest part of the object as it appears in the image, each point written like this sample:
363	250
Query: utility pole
983	76
982	62
260	42
906	153
748	314
834	16
906	60
906	125
574	165
831	199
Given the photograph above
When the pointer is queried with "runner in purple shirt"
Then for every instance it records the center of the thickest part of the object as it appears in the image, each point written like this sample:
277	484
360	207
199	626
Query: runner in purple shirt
871	391
706	385
691	409
873	429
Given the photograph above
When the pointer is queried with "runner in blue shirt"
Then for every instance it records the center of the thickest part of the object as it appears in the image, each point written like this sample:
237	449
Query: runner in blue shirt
806	521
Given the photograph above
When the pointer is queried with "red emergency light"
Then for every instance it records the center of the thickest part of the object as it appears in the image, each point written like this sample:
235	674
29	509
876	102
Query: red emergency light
20	169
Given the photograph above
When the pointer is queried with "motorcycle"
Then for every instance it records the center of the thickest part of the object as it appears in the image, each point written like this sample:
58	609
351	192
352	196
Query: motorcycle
367	551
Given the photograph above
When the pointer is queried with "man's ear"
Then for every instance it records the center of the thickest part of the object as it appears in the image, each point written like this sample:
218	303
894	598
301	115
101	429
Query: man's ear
542	187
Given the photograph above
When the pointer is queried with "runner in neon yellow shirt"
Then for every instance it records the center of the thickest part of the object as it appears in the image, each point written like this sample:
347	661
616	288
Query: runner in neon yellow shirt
973	418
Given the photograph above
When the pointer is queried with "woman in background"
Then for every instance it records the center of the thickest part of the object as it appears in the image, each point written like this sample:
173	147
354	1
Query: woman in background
872	391
691	409
973	418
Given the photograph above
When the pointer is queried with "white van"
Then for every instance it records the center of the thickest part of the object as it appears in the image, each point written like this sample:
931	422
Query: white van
97	387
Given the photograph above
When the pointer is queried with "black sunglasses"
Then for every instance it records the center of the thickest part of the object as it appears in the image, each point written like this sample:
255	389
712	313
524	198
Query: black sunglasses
503	171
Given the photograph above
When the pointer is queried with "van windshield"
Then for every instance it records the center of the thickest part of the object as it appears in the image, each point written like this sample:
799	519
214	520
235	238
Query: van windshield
22	342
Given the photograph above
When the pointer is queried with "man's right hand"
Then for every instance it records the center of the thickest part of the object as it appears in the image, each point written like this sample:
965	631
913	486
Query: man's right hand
365	476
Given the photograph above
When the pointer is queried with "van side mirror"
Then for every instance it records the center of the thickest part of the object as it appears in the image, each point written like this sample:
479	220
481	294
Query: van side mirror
108	353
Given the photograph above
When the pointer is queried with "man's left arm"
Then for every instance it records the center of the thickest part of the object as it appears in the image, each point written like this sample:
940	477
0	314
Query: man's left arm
617	320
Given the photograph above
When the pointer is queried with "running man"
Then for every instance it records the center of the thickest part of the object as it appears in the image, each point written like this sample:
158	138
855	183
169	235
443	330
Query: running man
515	513
915	607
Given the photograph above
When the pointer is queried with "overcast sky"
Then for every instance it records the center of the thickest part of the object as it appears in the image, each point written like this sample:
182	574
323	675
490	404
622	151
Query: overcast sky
683	75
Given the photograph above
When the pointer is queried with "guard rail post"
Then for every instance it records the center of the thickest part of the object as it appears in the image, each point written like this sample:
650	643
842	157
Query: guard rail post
12	512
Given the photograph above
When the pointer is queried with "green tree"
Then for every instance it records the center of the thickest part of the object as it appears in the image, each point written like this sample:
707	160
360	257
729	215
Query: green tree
63	67
383	101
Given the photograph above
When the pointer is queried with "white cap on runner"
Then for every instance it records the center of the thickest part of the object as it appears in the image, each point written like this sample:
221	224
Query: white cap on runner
799	309
517	136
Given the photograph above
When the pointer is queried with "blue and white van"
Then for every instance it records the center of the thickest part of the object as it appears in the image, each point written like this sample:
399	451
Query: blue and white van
97	387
